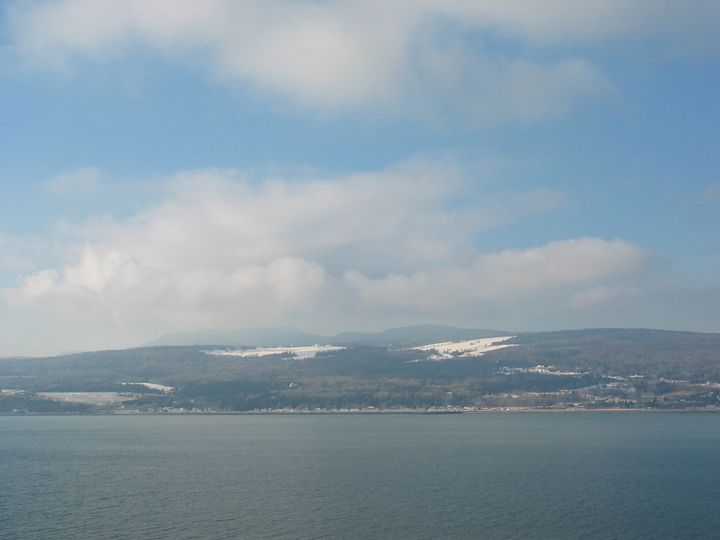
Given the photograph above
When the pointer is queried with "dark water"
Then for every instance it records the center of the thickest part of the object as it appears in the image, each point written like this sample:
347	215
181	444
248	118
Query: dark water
464	476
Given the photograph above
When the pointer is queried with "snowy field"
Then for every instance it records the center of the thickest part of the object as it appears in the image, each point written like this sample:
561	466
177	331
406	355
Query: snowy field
449	350
152	386
89	398
299	353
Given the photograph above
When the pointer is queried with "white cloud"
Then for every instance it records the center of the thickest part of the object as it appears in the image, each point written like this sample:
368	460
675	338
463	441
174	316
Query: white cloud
394	55
76	182
491	90
391	54
379	248
676	22
596	296
508	277
16	253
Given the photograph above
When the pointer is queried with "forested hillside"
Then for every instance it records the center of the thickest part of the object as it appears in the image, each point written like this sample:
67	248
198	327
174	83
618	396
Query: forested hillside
588	367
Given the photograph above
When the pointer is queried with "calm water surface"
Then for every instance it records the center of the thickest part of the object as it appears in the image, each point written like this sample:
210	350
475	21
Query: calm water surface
629	475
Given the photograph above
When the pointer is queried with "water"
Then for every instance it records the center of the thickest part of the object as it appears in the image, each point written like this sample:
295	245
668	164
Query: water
598	475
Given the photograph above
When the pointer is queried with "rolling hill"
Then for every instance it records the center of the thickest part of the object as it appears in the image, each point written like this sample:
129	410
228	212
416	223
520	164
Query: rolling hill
647	368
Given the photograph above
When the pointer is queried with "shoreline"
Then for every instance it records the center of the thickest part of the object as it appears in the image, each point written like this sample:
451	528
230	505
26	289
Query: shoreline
365	413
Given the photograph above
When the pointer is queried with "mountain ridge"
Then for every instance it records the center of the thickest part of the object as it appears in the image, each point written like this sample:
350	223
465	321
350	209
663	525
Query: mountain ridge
286	336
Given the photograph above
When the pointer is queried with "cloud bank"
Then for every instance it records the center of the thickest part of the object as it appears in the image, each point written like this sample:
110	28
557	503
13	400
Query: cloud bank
367	250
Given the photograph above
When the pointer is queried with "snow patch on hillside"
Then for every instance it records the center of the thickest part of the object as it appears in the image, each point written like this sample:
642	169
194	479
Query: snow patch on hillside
152	386
299	353
449	350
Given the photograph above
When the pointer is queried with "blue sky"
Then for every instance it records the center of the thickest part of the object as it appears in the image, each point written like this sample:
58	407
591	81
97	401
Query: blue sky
170	166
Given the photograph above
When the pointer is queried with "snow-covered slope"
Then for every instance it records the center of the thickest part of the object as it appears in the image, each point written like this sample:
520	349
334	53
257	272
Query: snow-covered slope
448	350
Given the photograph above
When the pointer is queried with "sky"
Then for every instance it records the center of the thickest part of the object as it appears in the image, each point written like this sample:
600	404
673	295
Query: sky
179	165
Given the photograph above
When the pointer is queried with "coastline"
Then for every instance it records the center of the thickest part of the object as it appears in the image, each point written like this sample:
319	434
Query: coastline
365	412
